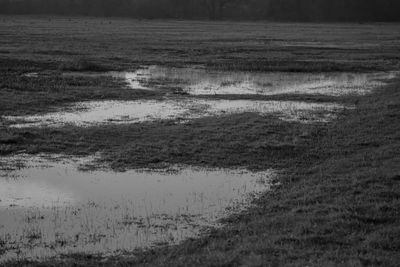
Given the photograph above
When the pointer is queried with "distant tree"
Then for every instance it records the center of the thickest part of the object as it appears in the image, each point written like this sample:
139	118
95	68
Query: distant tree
4	6
291	10
215	7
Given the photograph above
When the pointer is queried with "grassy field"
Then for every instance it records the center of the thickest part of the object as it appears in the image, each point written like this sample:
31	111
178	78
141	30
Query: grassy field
337	203
30	44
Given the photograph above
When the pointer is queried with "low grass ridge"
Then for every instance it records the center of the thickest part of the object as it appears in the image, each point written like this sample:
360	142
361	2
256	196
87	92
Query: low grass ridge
337	205
240	140
21	95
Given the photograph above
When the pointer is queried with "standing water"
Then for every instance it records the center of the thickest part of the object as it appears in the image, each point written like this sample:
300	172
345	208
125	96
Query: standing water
200	81
50	208
125	112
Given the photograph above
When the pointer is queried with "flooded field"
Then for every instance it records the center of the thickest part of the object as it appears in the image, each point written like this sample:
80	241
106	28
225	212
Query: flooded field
190	82
123	112
199	81
49	207
119	137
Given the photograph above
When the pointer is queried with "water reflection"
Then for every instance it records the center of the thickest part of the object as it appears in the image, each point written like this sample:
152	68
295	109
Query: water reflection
200	81
134	80
50	208
122	112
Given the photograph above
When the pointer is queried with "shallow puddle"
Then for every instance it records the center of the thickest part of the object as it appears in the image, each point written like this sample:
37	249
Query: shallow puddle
49	207
123	112
31	75
199	81
134	80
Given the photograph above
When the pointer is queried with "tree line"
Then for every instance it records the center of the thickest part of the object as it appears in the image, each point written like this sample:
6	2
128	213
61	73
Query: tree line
285	10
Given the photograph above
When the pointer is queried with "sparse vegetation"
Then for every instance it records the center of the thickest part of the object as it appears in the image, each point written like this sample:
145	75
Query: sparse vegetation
81	64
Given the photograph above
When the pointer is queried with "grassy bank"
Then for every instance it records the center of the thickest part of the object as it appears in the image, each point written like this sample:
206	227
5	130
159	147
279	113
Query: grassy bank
243	140
338	205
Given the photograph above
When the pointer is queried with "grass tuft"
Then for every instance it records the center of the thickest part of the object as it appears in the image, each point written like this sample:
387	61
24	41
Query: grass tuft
82	64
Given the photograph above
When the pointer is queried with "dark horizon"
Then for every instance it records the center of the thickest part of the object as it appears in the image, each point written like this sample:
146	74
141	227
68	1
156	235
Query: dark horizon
275	10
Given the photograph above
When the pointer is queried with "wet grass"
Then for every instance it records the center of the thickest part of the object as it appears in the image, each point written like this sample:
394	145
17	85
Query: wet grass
244	140
139	208
338	203
124	43
34	44
20	94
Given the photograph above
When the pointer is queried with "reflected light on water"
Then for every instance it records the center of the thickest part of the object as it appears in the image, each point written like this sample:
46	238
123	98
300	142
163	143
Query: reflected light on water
199	81
50	208
123	112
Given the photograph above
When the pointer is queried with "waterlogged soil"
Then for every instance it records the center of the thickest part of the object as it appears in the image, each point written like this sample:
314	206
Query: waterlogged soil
133	80
189	82
124	112
49	207
344	206
192	82
200	81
